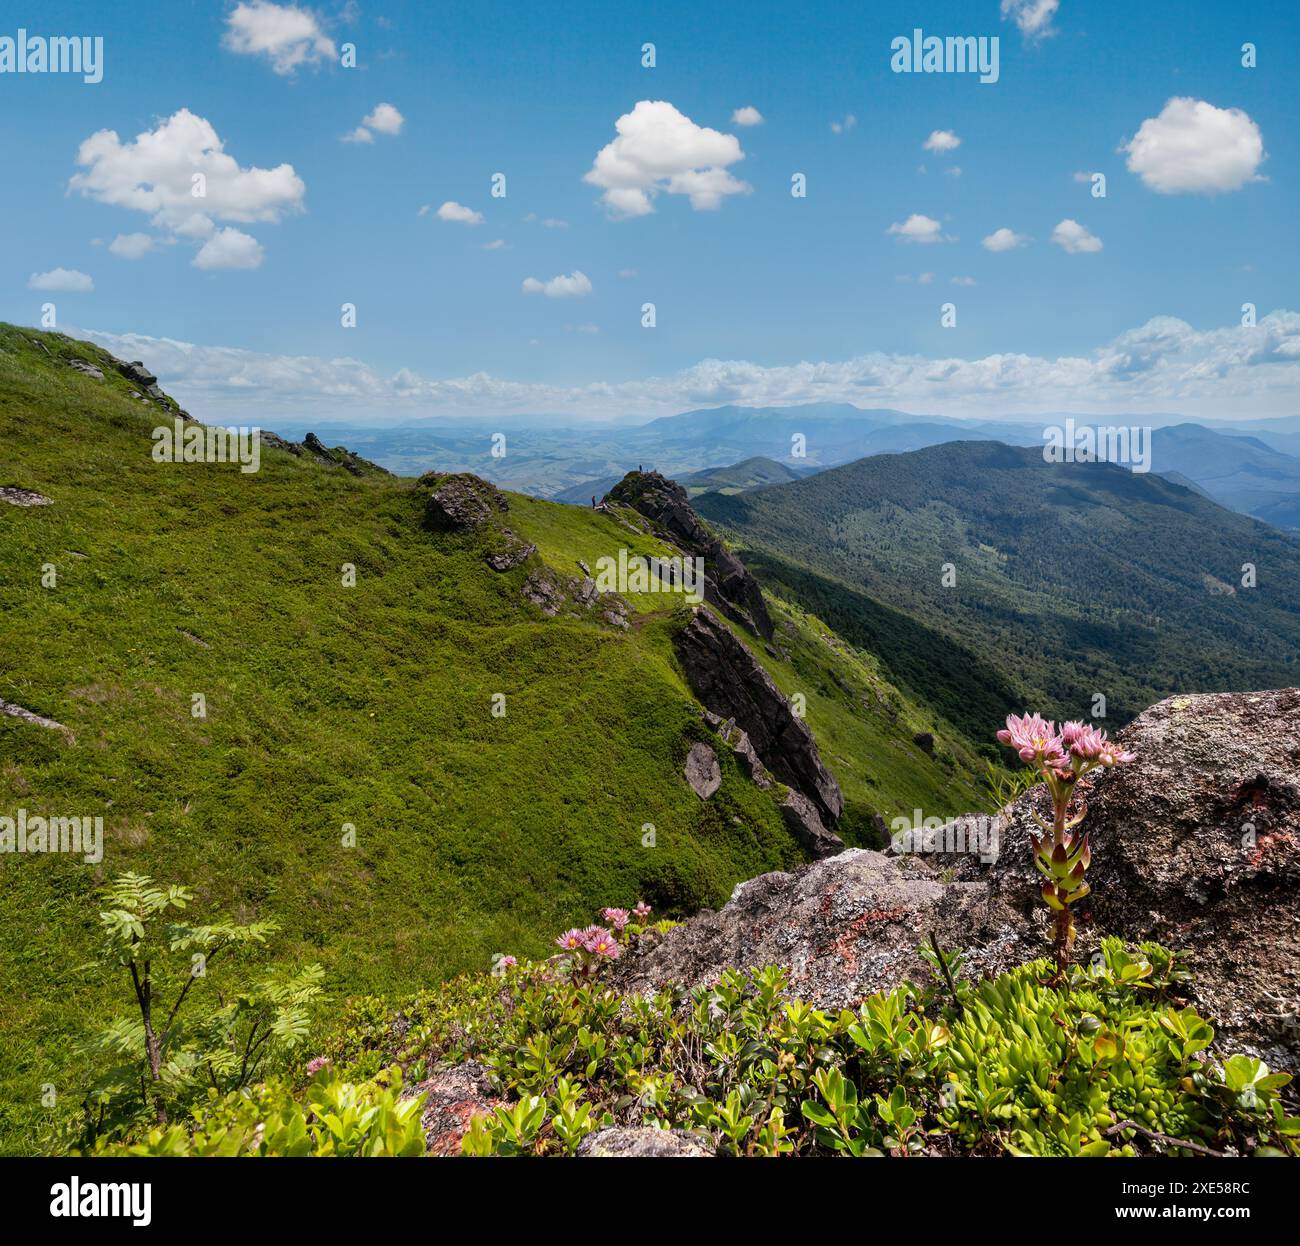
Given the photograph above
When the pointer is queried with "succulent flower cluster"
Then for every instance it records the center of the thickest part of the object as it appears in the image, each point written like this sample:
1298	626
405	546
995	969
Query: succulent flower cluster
594	945
1062	853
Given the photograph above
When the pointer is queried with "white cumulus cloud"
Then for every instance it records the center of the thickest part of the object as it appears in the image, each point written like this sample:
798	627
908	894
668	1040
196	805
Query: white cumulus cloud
131	246
574	285
161	172
1074	239
749	115
65	280
453	211
384	118
1194	147
918	228
1033	17
229	248
1004	239
285	34
941	140
660	150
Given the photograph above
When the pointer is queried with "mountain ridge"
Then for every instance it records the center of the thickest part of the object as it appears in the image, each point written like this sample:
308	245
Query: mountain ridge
1109	573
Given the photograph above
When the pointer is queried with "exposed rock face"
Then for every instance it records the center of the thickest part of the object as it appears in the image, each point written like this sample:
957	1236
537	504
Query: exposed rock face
729	681
10	710
317	450
702	770
454	1096
800	816
315	446
515	554
844	927
340	456
461	502
925	742
641	1142
556	595
542	590
1195	845
728	585
137	372
23	497
741	746
87	369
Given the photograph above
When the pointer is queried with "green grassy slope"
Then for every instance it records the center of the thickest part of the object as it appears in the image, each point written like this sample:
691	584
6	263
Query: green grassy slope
329	706
1071	579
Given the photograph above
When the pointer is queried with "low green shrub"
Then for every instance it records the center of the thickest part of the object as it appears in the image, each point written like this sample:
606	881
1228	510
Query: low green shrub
334	1118
1010	1065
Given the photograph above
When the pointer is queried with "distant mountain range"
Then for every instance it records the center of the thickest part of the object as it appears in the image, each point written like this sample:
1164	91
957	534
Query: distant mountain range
1241	471
1252	467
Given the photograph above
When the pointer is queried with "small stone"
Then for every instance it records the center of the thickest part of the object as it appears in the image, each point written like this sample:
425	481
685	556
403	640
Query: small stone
702	770
626	1142
23	497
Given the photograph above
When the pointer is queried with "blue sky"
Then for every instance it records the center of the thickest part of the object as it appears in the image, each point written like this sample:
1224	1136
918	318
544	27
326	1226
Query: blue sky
763	297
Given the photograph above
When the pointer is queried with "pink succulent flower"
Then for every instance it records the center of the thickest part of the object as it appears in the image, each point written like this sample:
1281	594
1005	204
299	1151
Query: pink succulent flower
571	940
1086	743
507	962
641	912
314	1066
600	942
1061	855
1113	755
1034	738
618	918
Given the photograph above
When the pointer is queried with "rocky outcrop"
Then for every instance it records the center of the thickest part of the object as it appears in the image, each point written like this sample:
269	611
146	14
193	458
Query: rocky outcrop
843	927
23	497
101	362
340	456
313	448
642	1142
741	747
702	770
729	681
802	820
1195	845
461	502
556	595
728	585
10	710
136	372
514	553
453	1097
